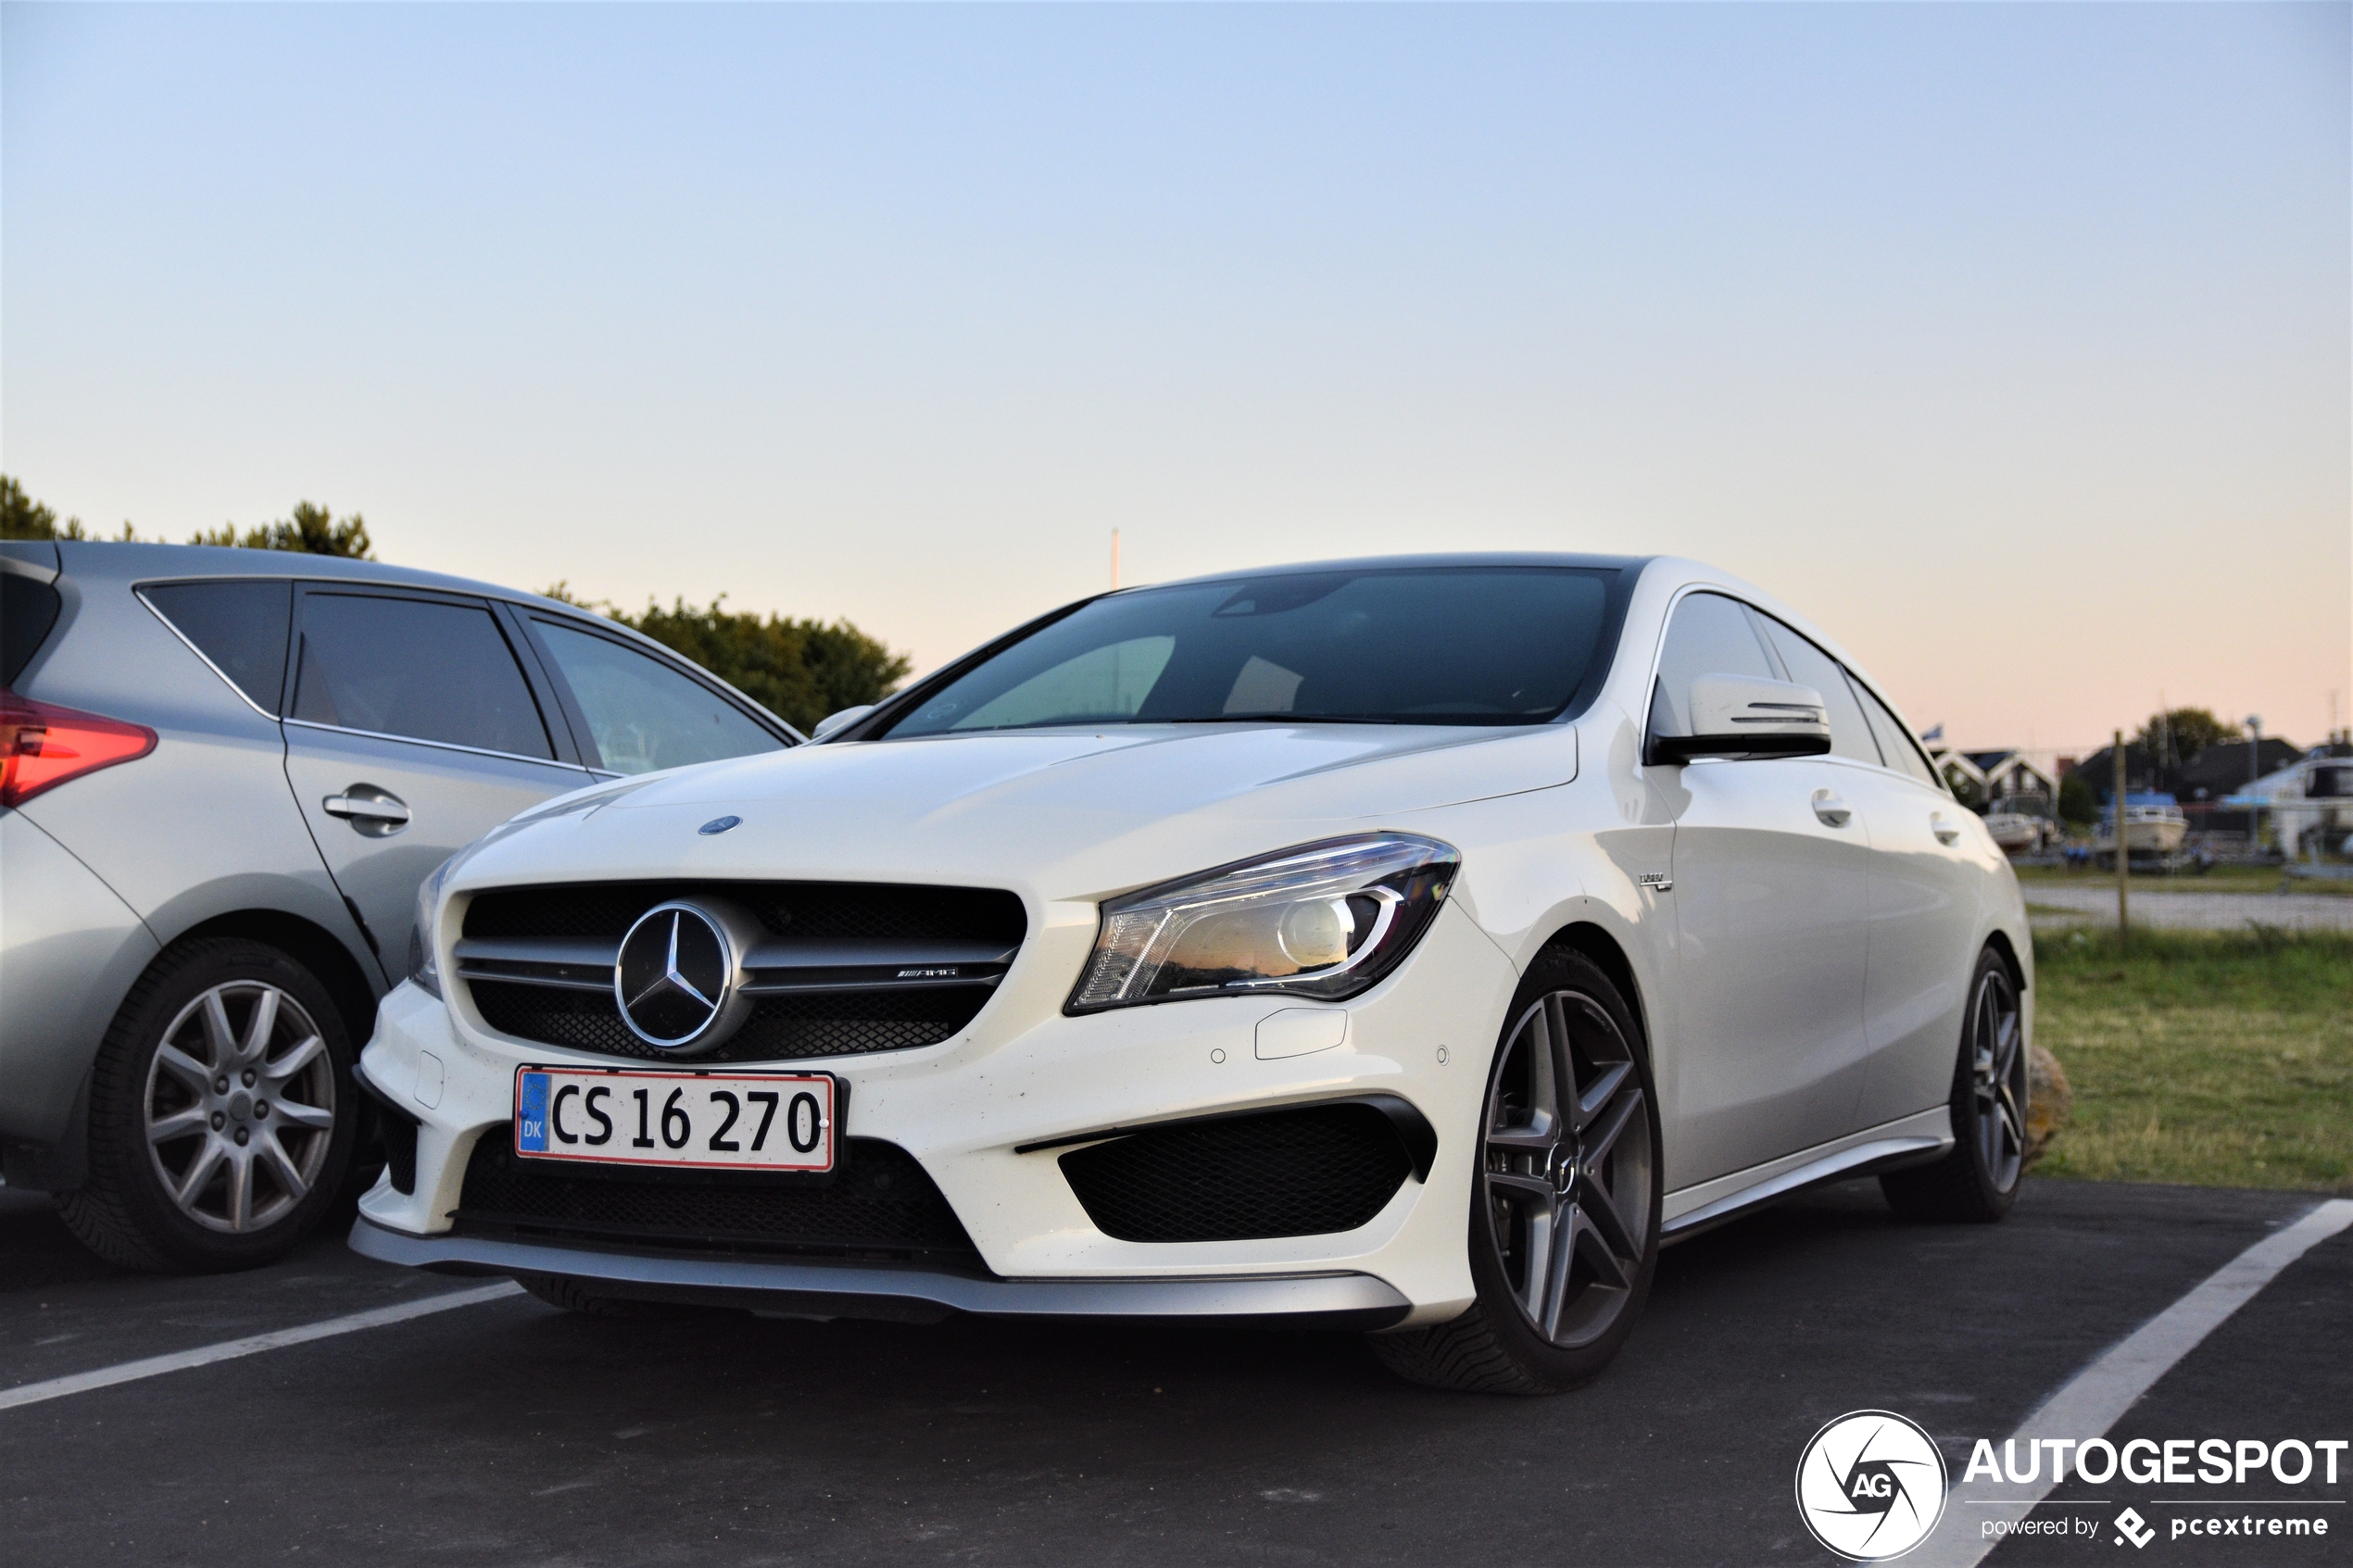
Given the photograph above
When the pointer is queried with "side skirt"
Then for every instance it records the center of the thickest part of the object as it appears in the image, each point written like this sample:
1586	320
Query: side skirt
1908	1140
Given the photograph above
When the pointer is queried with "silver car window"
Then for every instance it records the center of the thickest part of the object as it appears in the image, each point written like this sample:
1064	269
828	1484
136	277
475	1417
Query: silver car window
240	625
1809	666
642	714
423	669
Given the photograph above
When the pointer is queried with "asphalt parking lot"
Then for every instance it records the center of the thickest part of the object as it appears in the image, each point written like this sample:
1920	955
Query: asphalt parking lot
509	1433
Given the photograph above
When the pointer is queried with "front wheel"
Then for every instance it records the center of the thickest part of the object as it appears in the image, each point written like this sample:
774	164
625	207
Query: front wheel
1565	1198
1978	1179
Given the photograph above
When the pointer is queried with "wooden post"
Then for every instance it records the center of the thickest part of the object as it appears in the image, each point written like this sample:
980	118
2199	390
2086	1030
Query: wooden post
2123	857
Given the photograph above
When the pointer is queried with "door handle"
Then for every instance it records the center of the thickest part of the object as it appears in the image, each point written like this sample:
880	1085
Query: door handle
1946	831
378	814
1833	812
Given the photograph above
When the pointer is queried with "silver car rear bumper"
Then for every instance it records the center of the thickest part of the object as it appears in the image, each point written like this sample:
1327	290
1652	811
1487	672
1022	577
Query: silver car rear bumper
799	1288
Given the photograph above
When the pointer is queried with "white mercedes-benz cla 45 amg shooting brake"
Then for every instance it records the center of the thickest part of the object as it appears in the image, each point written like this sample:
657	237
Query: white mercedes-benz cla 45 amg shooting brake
1411	945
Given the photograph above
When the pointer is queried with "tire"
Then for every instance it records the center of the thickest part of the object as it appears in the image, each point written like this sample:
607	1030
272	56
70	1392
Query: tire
231	1056
1978	1181
574	1296
1564	1221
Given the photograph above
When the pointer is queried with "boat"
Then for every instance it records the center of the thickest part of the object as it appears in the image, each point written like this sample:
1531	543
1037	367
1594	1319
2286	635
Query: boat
2021	825
2153	825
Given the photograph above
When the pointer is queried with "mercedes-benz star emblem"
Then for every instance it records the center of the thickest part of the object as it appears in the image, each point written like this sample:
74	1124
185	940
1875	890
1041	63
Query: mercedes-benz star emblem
675	976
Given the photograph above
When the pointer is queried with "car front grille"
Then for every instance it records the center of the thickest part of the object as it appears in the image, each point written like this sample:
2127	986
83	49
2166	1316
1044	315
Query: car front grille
1312	1171
880	1205
831	976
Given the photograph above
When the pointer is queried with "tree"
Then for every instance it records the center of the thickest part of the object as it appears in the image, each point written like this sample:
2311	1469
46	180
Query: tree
21	517
312	530
799	670
2078	806
2177	734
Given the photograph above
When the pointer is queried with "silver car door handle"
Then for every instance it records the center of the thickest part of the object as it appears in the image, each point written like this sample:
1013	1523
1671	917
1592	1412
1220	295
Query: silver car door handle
1946	831
367	809
1834	813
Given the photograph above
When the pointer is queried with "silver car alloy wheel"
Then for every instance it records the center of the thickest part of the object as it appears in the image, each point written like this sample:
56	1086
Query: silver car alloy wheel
240	1107
1997	1070
1568	1168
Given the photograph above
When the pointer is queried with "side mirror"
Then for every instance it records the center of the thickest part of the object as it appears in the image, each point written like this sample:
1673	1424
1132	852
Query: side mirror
1743	716
833	722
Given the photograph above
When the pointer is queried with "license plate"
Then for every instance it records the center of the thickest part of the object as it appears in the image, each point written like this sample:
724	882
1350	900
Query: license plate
697	1121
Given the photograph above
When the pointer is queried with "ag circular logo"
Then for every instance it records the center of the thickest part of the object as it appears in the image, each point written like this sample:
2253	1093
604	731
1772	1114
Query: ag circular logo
675	978
1870	1485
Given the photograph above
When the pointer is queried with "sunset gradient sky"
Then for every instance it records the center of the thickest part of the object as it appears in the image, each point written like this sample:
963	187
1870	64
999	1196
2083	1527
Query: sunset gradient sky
2013	343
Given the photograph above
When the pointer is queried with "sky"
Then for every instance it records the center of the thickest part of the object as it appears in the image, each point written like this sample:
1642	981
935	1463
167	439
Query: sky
2012	344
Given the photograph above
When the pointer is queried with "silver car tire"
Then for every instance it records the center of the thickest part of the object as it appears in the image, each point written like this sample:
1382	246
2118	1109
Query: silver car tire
1566	1191
222	1113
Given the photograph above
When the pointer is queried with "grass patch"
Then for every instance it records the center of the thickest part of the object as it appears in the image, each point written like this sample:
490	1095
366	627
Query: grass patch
2218	1058
2220	879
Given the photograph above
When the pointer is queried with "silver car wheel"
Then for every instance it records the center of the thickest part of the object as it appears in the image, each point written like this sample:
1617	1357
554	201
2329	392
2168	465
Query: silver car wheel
240	1107
1997	1069
1568	1168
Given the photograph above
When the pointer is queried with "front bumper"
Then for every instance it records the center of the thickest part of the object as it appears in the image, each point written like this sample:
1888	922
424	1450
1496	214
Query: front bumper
987	1115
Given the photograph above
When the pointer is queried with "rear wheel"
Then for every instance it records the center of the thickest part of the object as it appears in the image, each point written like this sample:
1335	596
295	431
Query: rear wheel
1565	1200
221	1114
1978	1179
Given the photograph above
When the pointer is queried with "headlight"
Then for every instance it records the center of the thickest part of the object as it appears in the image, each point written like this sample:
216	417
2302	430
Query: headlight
421	968
1324	920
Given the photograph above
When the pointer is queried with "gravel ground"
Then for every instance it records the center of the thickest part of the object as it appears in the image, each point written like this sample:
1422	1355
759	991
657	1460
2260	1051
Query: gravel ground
2194	911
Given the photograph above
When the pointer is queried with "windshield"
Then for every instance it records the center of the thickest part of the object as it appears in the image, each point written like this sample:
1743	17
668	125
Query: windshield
1391	645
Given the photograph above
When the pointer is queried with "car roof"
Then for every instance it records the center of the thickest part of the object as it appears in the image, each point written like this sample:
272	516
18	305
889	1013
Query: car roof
1409	562
99	560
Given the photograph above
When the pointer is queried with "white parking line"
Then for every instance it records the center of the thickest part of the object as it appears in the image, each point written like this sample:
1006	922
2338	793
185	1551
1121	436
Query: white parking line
2098	1396
230	1349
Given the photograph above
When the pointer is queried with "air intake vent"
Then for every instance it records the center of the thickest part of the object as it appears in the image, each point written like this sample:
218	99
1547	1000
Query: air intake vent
881	1205
1312	1171
842	969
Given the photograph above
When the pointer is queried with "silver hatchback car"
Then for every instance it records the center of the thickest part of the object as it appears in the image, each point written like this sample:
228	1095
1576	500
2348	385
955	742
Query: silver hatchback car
226	774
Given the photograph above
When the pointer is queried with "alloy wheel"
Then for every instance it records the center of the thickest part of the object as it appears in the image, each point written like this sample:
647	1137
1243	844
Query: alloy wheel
240	1107
1567	1169
1997	1068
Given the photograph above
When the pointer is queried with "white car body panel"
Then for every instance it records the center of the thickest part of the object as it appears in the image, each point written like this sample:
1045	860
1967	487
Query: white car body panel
1768	1072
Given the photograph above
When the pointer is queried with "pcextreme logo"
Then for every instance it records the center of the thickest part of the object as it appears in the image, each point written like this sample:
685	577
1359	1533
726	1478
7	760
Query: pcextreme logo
1870	1485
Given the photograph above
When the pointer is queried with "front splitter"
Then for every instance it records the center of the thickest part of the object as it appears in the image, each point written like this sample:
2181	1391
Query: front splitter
823	1288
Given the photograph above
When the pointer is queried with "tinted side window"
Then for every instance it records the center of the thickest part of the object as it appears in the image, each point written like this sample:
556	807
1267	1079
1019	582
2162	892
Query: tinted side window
1902	754
240	626
1710	635
28	608
1809	666
643	714
414	668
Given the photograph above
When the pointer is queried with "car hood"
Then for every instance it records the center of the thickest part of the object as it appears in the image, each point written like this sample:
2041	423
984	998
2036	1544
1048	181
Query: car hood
1060	813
